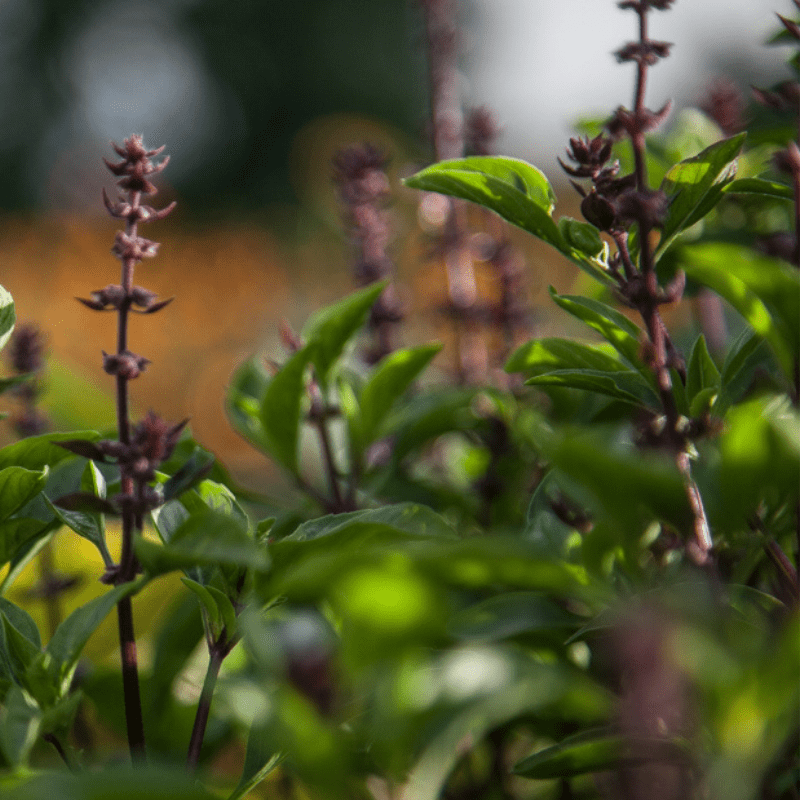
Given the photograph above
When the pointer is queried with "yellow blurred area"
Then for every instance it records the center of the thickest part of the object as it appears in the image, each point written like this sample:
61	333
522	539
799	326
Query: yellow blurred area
75	556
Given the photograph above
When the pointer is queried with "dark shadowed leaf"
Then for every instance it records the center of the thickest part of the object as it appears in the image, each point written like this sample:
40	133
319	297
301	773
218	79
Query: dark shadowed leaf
36	452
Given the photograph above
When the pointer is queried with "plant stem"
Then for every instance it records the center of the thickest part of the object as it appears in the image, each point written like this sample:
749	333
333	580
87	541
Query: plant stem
216	657
700	548
127	567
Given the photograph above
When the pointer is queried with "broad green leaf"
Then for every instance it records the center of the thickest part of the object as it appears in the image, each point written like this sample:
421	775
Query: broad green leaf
281	410
68	641
18	651
387	383
207	602
702	372
510	173
759	186
694	186
17	486
504	186
408	518
14	533
112	783
328	332
511	614
26	540
627	386
7	316
37	452
207	538
431	414
765	291
625	336
598	751
541	356
21	620
168	518
19	727
88	524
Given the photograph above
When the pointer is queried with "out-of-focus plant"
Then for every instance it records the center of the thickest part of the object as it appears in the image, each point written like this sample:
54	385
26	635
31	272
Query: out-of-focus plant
581	587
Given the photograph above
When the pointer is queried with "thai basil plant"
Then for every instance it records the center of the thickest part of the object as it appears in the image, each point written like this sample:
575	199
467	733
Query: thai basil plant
576	580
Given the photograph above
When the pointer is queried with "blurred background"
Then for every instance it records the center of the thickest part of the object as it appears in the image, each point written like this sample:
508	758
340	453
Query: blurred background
253	98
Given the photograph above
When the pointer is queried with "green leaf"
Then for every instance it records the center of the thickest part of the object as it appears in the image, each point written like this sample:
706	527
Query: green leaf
409	518
759	186
596	751
68	641
37	452
88	524
18	651
206	602
189	475
259	760
227	612
695	185
627	386
112	783
622	334
547	355
490	172
748	352
329	330
17	486
765	291
387	383
7	316
21	620
207	538
243	403
20	717
511	614
281	409
702	372
14	533
584	238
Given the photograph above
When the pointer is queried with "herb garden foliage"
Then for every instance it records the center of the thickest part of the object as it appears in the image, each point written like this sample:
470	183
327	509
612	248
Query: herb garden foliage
583	589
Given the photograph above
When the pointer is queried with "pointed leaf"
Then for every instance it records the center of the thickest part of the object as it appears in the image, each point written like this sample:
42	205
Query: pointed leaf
227	613
702	372
18	651
689	184
280	410
205	538
14	533
260	759
189	475
759	186
625	336
36	452
19	726
597	751
207	602
19	485
72	634
627	386
329	330
541	356
387	383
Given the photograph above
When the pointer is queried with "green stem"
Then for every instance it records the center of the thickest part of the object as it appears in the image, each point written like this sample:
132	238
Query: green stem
216	657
